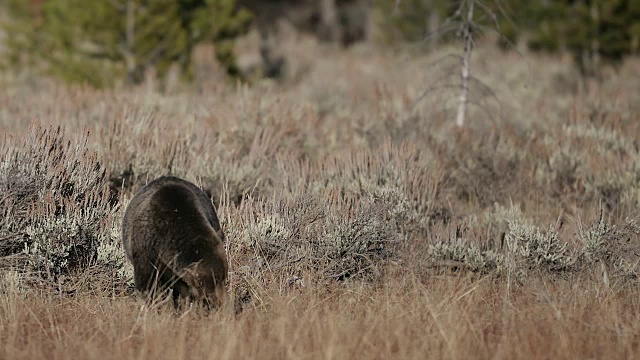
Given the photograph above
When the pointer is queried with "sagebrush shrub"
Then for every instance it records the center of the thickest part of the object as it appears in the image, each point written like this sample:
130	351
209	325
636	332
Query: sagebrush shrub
55	202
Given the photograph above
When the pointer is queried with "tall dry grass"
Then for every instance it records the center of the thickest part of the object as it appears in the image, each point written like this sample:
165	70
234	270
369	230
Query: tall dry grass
442	318
360	223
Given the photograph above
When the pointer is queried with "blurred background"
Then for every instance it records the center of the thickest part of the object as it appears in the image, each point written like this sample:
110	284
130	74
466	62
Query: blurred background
161	43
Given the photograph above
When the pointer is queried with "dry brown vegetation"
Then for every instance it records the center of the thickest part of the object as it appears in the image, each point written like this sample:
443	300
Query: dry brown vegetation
360	222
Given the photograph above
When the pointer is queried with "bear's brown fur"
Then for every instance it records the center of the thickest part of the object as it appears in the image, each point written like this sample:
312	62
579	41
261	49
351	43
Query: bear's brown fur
172	236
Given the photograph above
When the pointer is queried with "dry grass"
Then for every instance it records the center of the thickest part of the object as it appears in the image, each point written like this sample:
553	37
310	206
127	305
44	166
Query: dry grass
360	223
443	318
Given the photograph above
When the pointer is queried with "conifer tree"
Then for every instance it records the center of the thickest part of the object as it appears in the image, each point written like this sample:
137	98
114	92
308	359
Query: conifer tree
96	41
414	20
602	31
593	31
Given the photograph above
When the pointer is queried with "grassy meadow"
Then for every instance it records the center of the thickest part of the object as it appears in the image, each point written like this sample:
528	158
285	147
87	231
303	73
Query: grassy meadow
361	223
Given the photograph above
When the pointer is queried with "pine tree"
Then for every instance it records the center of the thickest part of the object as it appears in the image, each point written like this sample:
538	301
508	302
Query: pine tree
593	31
602	31
414	21
98	41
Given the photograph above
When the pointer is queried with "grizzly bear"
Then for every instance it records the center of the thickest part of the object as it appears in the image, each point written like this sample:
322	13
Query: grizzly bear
172	236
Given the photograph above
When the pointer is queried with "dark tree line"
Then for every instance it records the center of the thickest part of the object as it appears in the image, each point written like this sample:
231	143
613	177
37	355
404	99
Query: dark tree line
98	41
595	32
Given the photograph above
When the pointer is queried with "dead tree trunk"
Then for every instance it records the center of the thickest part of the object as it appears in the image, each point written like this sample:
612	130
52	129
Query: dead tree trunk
329	26
434	25
465	70
130	57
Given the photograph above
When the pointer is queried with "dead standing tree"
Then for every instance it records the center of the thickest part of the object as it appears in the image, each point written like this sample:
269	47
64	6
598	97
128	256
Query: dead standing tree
470	20
465	70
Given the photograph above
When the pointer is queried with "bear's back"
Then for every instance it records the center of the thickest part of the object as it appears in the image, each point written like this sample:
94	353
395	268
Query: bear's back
165	215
